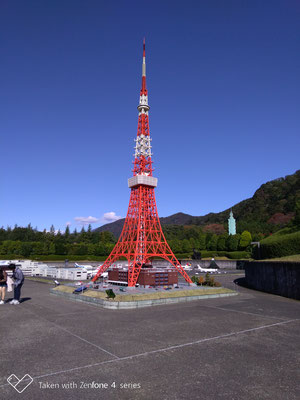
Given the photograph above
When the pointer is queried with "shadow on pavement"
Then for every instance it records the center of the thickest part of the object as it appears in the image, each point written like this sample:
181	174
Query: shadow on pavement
22	300
241	282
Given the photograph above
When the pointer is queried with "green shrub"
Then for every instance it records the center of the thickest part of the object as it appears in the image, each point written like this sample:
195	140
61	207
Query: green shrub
11	257
201	280
110	293
234	255
245	240
280	245
208	254
194	279
211	281
237	255
182	256
207	279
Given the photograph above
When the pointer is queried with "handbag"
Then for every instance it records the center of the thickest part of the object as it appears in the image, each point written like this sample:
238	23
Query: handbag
10	284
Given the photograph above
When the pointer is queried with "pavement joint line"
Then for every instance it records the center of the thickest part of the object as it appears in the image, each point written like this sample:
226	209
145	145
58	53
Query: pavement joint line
73	334
72	313
161	350
81	304
245	312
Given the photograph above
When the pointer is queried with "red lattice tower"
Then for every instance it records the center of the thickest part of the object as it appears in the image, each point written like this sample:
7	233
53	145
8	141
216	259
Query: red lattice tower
142	237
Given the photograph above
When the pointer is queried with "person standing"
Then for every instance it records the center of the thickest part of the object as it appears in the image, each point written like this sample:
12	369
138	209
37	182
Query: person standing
3	285
18	277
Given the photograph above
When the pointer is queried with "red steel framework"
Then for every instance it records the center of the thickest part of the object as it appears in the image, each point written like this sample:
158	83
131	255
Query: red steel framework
142	237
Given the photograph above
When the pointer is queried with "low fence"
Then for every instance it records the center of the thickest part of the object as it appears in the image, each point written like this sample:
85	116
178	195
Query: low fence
276	277
228	264
223	264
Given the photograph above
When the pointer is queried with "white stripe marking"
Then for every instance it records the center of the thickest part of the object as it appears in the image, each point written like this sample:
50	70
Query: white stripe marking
161	350
245	312
73	334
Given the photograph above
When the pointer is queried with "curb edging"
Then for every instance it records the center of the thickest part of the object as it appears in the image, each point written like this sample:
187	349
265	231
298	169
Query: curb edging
118	305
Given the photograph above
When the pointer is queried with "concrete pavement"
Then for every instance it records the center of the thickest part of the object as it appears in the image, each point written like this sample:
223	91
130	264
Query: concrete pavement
241	347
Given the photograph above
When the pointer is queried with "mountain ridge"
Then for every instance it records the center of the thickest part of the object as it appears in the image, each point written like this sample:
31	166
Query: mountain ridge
272	206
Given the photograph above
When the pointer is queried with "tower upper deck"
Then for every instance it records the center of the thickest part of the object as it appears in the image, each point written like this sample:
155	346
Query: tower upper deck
142	171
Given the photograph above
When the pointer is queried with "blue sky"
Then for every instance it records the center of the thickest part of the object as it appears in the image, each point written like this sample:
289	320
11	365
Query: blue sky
223	82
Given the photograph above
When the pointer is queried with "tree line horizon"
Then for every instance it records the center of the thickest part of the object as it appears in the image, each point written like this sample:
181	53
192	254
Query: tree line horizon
29	241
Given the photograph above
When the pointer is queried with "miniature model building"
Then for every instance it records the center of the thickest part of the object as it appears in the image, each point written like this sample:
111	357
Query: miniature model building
147	277
231	224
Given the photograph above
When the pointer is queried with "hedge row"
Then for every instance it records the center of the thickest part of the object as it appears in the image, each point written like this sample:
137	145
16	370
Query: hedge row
53	257
233	255
280	246
238	255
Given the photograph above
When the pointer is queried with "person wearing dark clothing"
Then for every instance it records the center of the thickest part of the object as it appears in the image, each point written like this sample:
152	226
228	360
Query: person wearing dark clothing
3	284
18	283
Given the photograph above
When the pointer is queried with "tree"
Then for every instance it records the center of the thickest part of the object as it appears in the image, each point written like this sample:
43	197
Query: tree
100	249
60	248
89	233
202	241
109	247
83	235
232	242
245	239
11	247
191	233
297	215
91	249
26	249
2	234
186	246
201	280
214	228
176	246
37	248
257	237
212	244
107	237
67	232
208	236
18	247
192	243
221	243
45	250
52	248
82	249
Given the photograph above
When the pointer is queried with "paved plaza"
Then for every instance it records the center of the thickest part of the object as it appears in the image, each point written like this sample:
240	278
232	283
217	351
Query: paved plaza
239	348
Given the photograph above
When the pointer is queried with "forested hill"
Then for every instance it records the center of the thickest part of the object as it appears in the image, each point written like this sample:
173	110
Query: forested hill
271	207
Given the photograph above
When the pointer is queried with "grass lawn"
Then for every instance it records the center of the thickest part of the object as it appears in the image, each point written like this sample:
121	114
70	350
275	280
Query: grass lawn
295	257
148	296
